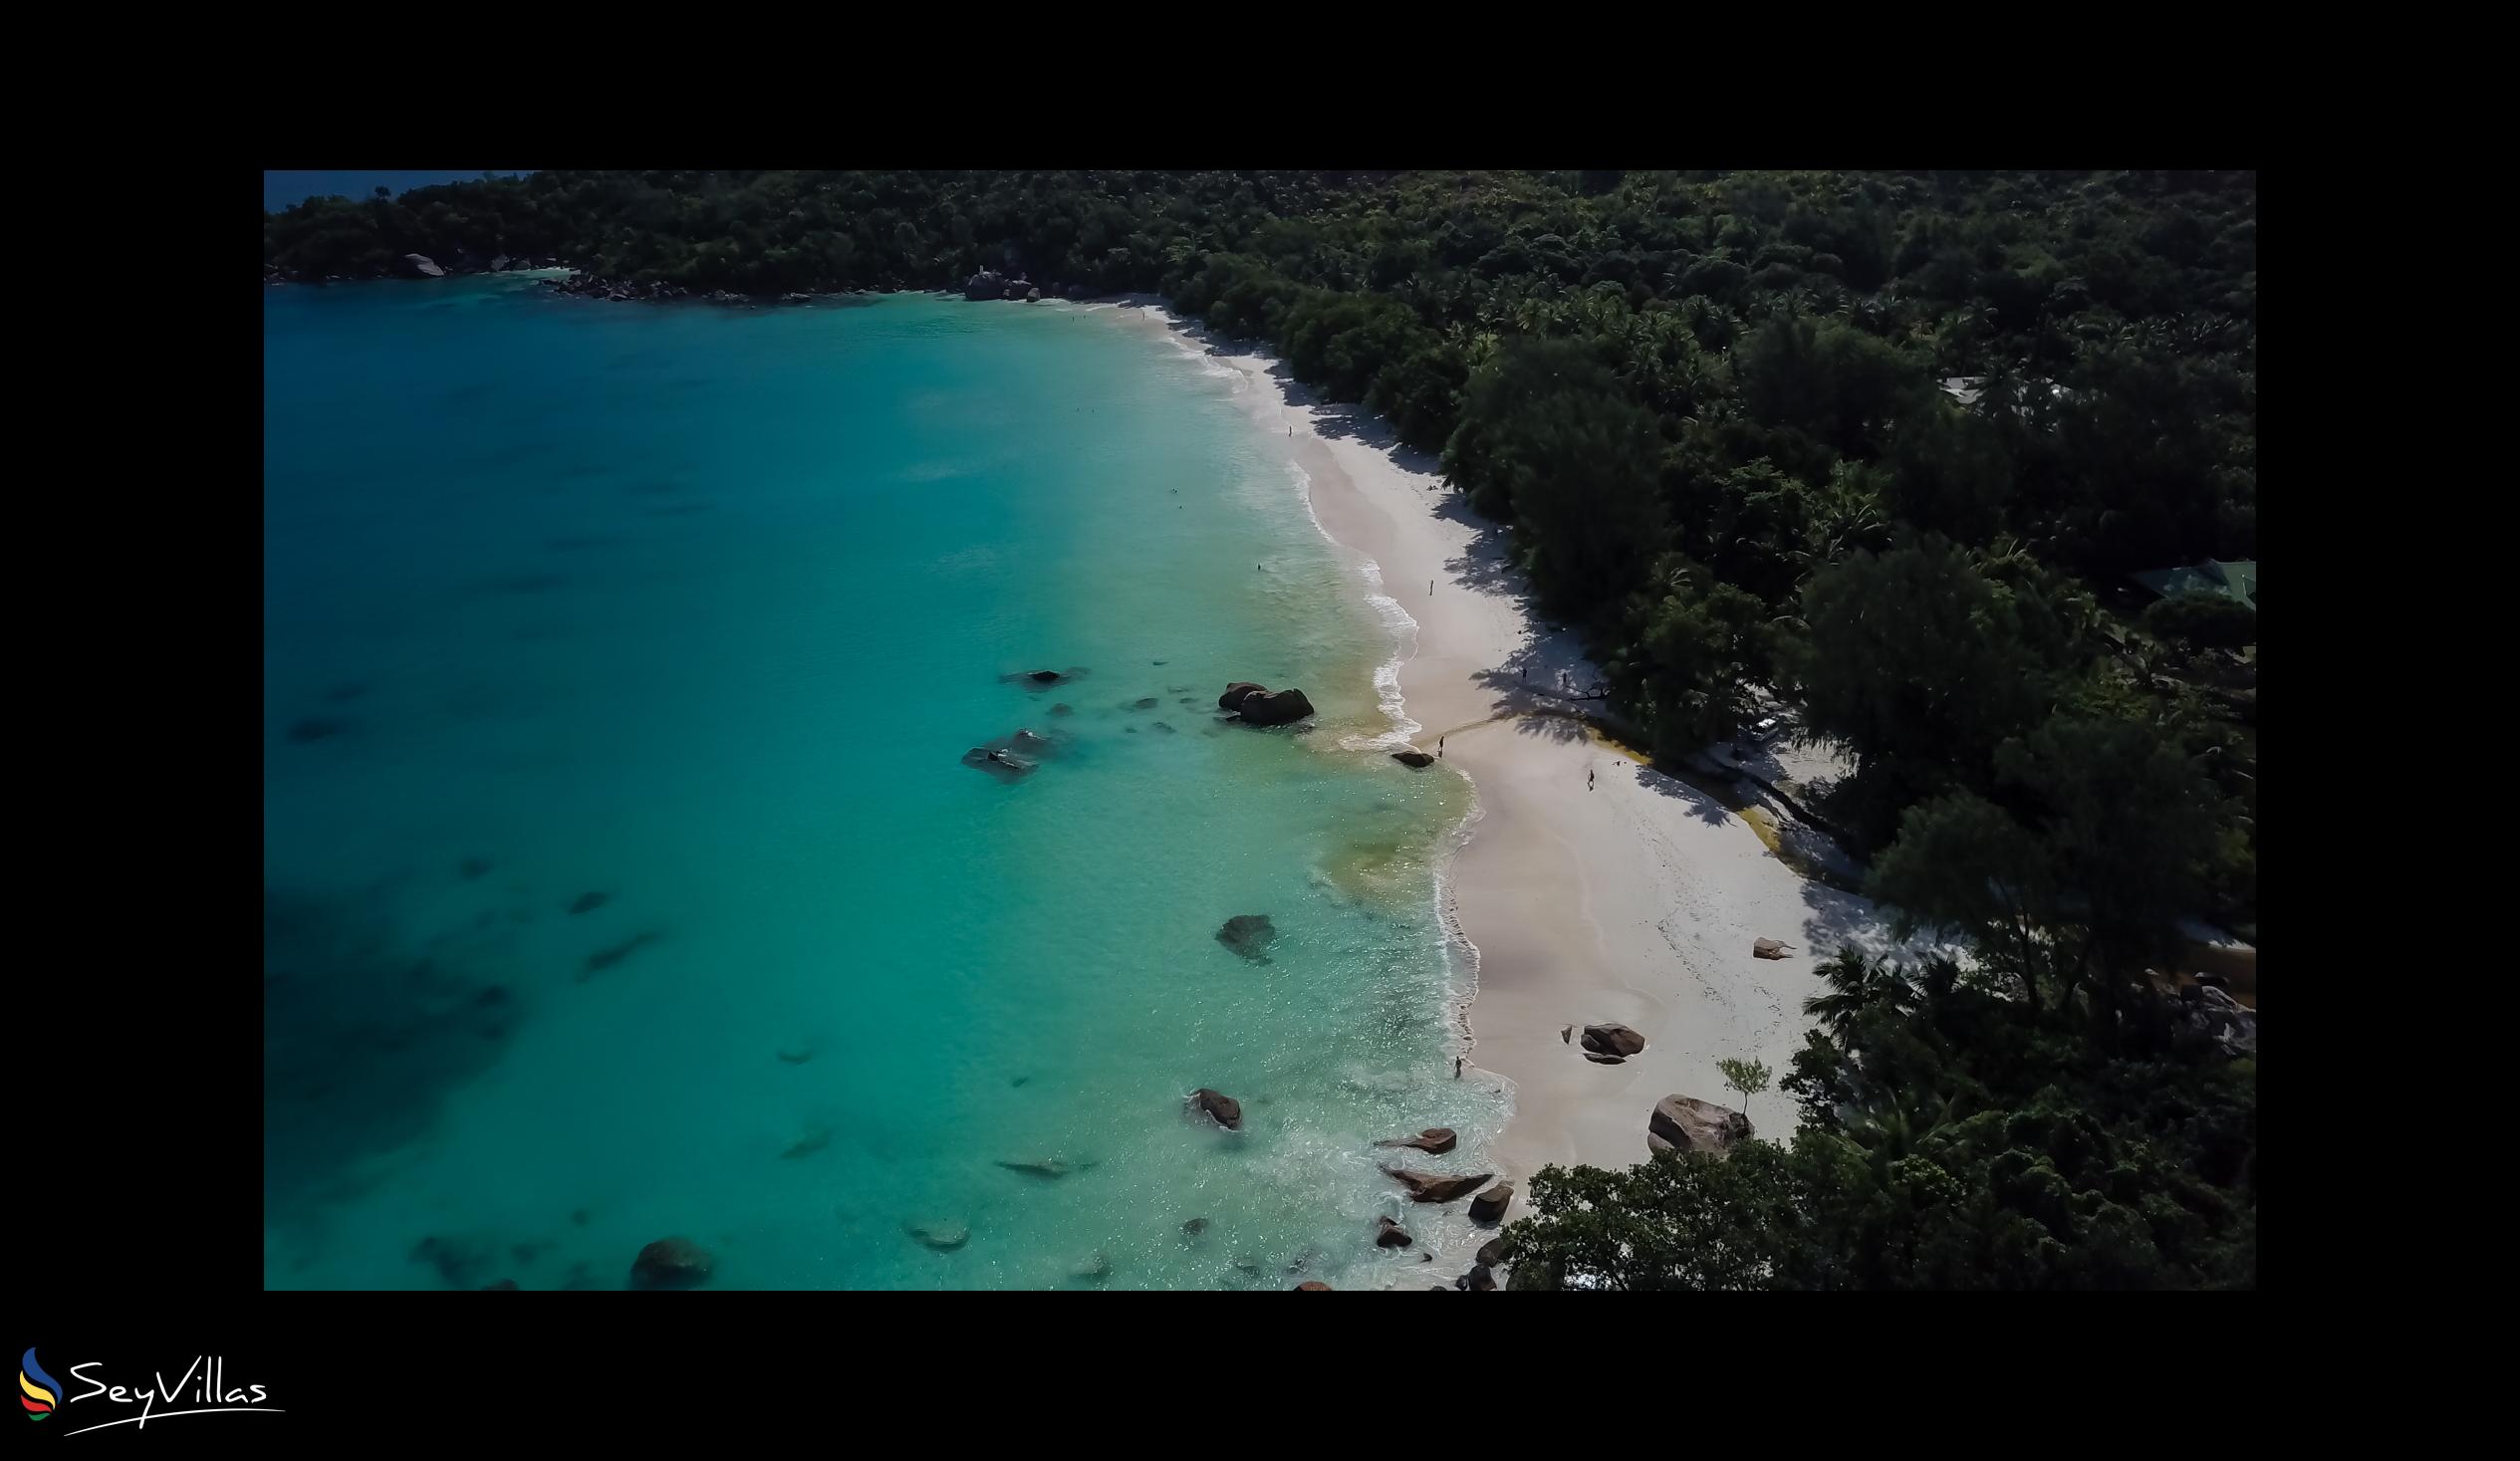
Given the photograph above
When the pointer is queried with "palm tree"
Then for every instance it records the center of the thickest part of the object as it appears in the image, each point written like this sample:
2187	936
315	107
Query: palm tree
1935	981
1903	1121
1859	985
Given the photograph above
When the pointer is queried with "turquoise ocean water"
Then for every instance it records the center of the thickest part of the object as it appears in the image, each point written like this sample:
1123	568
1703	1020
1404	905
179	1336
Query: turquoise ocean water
622	876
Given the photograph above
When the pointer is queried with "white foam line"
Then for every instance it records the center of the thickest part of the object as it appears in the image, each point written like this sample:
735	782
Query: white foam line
1461	957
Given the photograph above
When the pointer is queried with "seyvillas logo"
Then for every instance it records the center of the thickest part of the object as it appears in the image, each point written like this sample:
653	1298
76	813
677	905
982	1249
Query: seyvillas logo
204	1383
43	1391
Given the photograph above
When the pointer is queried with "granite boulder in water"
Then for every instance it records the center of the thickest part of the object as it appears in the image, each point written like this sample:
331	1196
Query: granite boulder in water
1436	1187
1434	1140
1227	1110
1249	935
1259	705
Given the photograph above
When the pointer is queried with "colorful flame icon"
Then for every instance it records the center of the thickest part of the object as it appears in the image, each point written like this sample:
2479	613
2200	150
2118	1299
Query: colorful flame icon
42	1390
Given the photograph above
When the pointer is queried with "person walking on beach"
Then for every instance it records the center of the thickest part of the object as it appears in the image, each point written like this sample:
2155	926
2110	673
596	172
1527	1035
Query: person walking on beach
1456	1068
1439	748
1587	778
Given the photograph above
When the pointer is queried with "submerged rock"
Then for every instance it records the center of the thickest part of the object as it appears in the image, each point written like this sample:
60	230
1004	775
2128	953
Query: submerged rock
1093	1268
807	1144
604	958
1195	1226
1227	1110
1388	1234
942	1237
1249	935
1045	1166
501	1284
472	868
1236	692
795	1057
315	728
1436	1187
1144	703
589	902
460	1263
1687	1125
1312	1286
671	1263
1011	757
1042	679
1419	760
1434	1140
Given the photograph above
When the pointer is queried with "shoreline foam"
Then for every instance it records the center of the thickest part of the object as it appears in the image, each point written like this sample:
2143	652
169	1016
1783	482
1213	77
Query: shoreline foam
1563	903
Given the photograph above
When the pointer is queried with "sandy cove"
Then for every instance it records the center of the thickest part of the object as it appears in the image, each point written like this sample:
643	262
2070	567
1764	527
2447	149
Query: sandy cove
1636	901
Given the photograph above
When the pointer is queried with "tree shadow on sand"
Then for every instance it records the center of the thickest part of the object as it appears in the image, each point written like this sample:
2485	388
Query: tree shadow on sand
1839	919
1486	564
1706	799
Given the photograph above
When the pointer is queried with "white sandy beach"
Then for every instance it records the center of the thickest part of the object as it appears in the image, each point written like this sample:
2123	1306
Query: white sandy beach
1636	901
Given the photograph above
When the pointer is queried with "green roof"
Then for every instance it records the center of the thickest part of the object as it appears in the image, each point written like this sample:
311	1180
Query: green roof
2231	579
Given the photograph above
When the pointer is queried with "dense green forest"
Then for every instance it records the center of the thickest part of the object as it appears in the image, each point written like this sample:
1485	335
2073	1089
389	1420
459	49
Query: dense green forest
1710	407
